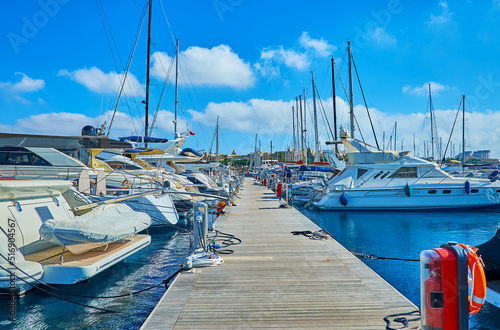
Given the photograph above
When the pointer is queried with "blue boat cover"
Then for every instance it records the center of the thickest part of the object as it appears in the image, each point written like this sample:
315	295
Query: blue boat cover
149	139
191	150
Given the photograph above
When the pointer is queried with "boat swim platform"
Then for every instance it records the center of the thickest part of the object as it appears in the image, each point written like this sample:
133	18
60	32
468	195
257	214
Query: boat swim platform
277	280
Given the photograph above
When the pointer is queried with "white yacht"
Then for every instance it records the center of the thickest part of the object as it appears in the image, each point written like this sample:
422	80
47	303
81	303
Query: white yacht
28	163
41	239
394	180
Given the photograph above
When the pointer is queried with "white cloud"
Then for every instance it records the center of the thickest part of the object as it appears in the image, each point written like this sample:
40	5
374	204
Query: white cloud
26	84
320	46
444	17
255	116
271	58
66	123
218	66
381	37
108	83
424	89
272	119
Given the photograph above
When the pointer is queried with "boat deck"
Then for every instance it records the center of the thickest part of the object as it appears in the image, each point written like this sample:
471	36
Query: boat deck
52	255
277	280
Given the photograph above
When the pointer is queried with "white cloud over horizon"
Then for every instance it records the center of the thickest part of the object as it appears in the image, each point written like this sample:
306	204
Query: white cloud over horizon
105	83
271	119
218	66
70	124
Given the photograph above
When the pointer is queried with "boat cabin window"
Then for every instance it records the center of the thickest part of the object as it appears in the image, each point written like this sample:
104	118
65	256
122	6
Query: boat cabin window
474	191
447	191
386	174
405	172
44	213
432	192
378	174
361	171
20	156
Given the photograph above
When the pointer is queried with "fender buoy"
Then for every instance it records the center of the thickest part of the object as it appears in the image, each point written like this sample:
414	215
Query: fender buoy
467	187
278	190
408	190
125	184
477	283
220	208
343	199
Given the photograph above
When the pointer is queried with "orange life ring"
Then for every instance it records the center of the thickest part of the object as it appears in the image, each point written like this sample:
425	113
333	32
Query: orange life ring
477	281
125	184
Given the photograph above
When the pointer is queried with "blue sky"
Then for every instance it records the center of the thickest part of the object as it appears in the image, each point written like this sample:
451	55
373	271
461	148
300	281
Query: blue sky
246	61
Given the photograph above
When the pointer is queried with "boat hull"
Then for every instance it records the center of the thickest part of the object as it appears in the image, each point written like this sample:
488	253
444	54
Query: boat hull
442	198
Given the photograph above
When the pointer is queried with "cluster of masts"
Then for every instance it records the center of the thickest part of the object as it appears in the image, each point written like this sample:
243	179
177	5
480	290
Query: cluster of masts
431	149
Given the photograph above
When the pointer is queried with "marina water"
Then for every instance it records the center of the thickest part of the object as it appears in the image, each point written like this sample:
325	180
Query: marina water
404	235
383	234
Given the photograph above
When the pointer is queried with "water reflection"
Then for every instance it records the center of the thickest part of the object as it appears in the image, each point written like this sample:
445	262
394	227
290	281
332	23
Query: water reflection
405	235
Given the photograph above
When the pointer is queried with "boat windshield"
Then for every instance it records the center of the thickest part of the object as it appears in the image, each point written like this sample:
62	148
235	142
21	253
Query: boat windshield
405	172
20	156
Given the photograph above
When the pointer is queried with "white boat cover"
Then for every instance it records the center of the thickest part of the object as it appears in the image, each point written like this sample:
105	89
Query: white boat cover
106	223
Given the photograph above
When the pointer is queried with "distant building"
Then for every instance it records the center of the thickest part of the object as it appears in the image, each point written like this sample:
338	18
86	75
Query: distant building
482	154
468	154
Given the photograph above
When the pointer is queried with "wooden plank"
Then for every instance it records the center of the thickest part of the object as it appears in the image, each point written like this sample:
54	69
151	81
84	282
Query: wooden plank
277	280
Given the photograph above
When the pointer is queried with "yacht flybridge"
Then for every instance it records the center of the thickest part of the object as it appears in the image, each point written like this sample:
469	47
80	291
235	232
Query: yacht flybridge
394	180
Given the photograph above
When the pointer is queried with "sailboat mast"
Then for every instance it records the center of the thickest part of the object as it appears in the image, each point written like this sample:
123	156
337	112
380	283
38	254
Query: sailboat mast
217	142
296	154
255	153
301	130
271	152
176	84
463	132
351	107
395	134
432	122
147	74
305	113
293	130
334	105
316	138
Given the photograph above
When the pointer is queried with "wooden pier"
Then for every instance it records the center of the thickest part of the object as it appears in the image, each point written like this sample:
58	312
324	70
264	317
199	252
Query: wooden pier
277	280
